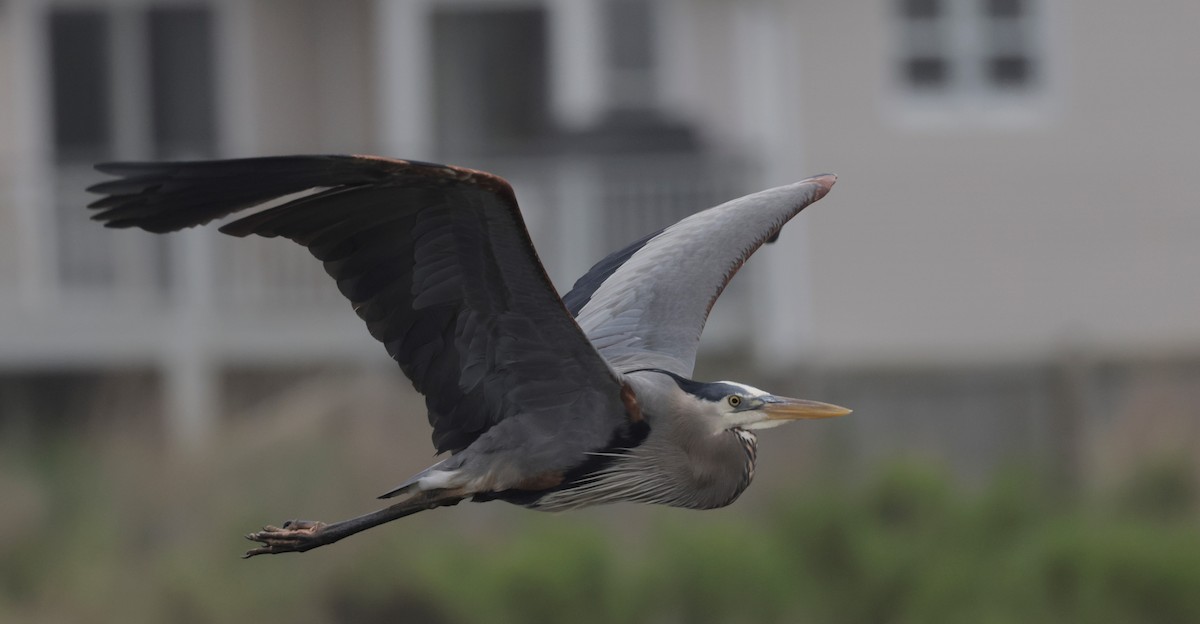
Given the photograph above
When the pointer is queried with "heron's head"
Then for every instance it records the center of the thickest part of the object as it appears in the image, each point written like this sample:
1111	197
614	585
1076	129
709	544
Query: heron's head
737	405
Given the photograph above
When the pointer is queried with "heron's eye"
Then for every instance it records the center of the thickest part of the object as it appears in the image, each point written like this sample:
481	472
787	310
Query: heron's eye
734	400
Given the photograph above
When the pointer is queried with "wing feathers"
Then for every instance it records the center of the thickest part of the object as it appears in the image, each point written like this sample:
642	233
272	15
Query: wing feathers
646	306
436	261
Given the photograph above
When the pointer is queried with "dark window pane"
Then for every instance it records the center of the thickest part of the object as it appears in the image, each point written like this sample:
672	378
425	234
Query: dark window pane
921	9
181	82
629	36
1010	71
488	100
927	72
629	25
1004	8
81	87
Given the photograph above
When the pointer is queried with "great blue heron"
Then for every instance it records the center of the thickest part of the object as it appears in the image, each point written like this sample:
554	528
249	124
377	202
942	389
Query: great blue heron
547	402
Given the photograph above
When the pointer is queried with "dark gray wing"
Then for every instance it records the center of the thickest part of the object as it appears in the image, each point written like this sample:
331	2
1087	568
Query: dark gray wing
645	306
435	259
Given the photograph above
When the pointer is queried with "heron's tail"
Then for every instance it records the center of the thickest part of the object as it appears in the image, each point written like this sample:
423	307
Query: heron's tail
412	484
405	488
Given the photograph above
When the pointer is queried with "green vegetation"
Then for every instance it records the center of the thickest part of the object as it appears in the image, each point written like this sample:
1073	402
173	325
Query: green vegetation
116	533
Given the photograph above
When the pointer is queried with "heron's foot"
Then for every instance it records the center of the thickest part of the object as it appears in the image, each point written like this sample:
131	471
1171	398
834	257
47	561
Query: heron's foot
293	536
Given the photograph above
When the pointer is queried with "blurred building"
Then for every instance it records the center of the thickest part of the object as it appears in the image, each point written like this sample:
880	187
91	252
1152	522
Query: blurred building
1015	178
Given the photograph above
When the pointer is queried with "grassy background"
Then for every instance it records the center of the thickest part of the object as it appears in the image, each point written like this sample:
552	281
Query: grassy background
104	528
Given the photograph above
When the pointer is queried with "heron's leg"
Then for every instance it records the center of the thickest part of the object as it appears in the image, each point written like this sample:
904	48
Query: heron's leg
303	535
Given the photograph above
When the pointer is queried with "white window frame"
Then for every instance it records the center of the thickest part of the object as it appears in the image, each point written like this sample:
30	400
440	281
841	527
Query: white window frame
969	99
131	138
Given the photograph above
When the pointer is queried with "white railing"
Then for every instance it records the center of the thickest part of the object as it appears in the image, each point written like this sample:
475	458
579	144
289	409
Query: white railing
121	265
577	209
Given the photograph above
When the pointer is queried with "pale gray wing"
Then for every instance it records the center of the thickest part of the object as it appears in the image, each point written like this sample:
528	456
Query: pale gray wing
645	306
437	262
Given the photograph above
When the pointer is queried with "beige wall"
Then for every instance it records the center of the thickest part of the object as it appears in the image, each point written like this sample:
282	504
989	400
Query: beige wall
311	75
969	241
981	241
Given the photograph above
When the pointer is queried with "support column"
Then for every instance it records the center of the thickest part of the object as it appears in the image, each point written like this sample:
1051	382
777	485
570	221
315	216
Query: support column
30	156
405	85
580	221
237	99
577	78
191	388
767	63
192	398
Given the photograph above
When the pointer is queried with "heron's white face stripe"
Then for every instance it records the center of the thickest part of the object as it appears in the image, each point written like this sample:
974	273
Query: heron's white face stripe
748	389
730	417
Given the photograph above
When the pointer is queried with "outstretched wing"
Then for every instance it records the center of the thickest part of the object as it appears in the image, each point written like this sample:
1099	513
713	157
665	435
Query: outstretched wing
645	306
435	259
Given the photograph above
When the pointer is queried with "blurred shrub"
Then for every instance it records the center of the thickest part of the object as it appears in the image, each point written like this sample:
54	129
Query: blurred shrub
1164	488
121	534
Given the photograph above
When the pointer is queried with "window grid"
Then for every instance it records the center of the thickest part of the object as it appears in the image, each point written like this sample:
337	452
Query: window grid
968	47
126	82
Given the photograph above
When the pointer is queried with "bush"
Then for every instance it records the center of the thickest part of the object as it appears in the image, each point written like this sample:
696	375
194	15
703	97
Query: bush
113	533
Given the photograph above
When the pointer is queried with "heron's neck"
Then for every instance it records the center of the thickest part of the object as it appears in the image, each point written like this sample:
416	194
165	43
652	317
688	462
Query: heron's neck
749	444
714	467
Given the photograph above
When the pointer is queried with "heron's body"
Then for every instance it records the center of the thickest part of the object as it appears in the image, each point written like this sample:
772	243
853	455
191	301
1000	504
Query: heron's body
548	402
677	458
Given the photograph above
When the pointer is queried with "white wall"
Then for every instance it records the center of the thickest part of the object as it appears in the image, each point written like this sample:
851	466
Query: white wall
975	241
984	241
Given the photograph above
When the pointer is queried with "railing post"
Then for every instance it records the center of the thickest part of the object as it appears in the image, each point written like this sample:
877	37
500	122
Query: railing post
576	62
190	368
403	62
578	194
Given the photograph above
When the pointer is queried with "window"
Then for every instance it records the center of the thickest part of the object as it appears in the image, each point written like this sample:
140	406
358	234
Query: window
181	82
126	82
490	102
950	48
130	83
629	27
81	84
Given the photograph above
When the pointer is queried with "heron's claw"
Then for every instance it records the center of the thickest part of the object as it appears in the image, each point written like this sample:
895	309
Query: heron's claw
293	536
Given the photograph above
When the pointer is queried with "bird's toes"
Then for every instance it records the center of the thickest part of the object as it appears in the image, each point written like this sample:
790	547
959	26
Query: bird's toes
293	536
303	525
261	550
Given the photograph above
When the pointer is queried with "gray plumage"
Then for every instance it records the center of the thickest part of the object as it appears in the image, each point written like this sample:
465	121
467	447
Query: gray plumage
652	311
532	406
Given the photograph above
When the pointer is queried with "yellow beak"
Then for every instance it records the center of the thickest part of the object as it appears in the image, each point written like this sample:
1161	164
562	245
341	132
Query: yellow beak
783	408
